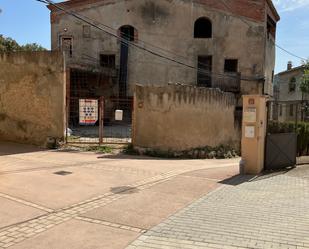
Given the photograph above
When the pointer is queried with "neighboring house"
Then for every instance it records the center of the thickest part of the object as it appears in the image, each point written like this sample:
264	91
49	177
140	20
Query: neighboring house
232	43
287	94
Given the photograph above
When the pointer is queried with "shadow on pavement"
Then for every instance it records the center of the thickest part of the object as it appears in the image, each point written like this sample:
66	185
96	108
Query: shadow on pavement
272	173
124	190
237	180
8	148
136	157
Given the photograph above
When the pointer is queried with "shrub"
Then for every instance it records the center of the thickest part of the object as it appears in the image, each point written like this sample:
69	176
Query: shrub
100	149
219	152
301	129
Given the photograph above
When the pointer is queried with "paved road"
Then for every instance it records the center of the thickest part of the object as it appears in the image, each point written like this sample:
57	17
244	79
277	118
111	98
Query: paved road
270	211
99	201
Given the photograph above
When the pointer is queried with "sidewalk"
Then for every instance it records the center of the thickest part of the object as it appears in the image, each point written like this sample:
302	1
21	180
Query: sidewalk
271	211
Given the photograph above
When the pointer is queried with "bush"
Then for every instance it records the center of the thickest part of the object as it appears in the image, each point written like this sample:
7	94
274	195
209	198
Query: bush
219	152
301	129
100	149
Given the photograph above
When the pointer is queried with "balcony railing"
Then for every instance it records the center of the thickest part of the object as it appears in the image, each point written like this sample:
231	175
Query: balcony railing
227	82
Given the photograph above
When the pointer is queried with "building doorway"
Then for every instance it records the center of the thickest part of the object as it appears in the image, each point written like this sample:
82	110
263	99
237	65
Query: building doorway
204	65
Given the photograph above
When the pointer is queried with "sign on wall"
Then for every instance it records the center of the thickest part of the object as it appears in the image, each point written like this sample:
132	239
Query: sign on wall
119	115
250	115
88	111
250	132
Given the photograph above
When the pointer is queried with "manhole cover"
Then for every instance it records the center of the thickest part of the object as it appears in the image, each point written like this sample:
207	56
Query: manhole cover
63	173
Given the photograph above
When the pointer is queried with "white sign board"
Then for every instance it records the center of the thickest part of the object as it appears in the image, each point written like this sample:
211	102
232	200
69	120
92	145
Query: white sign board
250	132
250	115
119	115
88	111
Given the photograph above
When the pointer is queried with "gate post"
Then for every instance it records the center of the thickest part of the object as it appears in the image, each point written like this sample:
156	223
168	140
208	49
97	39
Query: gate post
253	133
101	119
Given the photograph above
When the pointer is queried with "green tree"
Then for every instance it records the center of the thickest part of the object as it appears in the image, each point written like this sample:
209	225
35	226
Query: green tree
304	88
9	45
32	47
304	84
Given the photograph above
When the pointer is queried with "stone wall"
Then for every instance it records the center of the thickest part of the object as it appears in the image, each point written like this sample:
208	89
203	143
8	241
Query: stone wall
162	23
32	97
178	118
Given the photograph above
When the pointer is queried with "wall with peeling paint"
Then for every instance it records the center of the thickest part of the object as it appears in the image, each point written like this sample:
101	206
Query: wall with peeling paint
169	24
178	118
32	97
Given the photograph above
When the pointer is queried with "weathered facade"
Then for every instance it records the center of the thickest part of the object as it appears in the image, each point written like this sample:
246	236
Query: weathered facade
32	97
288	94
178	118
218	43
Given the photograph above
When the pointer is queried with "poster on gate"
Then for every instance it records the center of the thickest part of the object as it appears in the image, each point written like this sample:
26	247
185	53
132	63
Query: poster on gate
88	111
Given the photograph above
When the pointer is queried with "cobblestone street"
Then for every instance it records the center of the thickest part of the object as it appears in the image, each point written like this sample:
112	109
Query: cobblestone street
270	211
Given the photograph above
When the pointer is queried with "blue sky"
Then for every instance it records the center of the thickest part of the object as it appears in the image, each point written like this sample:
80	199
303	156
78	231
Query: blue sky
27	21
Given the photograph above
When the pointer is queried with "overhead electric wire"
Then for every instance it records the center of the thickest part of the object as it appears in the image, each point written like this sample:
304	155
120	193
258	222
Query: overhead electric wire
283	49
152	52
140	41
202	71
290	53
90	22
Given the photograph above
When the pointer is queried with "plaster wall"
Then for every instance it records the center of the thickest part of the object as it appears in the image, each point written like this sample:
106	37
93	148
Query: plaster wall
178	118
32	97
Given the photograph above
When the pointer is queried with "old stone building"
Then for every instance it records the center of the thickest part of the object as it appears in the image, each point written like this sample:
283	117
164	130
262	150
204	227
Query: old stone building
211	43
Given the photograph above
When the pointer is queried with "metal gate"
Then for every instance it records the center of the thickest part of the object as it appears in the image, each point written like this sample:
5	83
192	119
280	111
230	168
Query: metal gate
281	147
281	151
91	117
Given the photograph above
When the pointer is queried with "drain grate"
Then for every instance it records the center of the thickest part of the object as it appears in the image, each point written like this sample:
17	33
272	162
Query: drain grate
63	173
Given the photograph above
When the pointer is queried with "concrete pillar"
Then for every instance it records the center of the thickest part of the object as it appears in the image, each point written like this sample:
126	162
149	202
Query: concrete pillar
253	133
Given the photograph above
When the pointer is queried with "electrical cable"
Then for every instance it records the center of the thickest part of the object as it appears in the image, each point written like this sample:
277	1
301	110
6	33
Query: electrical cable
90	22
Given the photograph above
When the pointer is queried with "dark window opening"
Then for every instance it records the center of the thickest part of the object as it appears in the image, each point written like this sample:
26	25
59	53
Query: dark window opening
204	71
292	84
67	45
128	32
291	110
280	110
231	66
203	28
238	116
272	76
108	60
86	31
271	27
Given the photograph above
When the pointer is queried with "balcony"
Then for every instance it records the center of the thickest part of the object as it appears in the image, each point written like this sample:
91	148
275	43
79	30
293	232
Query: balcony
227	82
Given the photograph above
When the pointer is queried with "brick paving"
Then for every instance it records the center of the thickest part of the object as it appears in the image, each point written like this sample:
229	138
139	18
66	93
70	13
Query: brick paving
110	224
271	211
14	234
26	203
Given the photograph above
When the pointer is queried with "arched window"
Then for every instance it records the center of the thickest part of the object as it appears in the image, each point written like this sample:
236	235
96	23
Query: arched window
128	32
202	28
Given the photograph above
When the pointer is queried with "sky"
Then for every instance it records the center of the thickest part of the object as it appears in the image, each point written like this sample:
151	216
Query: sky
27	21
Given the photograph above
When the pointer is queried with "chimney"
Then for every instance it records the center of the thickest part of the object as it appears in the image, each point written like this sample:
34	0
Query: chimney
290	65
